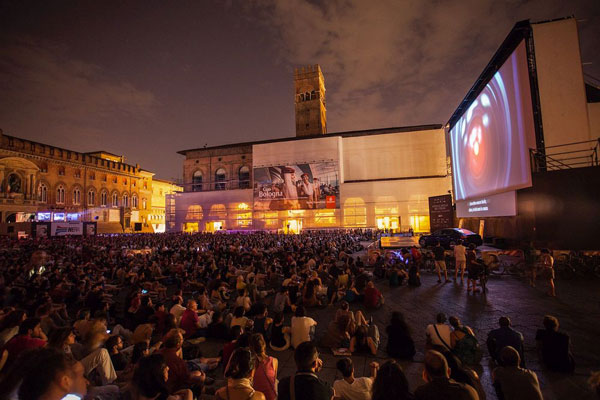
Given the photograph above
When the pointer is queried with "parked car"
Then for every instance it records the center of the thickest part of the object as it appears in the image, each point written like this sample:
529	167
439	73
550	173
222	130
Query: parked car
449	237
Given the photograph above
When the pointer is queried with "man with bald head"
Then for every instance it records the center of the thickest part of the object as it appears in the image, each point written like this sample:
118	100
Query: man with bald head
439	385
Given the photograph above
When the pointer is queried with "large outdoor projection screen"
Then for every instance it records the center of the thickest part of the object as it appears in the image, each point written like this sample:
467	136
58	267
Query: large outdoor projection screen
490	142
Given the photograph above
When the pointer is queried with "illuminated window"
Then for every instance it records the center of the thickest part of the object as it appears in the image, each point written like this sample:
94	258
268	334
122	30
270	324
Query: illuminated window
91	197
134	201
218	211
115	199
103	198
325	218
194	213
125	200
144	204
420	223
355	212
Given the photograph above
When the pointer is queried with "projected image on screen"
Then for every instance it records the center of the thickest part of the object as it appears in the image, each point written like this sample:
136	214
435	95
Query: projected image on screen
490	141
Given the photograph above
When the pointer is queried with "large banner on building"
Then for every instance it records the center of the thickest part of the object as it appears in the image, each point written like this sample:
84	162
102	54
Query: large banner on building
66	228
297	187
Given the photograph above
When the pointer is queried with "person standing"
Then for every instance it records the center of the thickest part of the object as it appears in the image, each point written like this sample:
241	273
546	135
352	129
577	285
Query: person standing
460	259
440	261
547	265
305	384
473	269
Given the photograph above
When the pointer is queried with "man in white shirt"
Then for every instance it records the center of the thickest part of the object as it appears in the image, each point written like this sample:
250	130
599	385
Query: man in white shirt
177	309
438	334
351	388
302	327
460	259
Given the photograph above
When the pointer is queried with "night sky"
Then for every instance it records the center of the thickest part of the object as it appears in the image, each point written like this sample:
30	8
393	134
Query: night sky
145	79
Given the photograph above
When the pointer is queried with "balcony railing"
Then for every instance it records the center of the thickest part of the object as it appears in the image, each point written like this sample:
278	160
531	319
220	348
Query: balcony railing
216	185
566	156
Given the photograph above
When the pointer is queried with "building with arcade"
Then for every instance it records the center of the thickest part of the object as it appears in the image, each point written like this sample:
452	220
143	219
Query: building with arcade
40	183
377	178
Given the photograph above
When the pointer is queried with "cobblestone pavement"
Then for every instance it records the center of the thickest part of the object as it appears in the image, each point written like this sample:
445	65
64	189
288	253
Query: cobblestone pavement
577	308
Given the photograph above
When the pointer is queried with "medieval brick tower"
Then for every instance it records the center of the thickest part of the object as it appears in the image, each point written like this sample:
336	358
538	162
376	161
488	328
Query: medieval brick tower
311	115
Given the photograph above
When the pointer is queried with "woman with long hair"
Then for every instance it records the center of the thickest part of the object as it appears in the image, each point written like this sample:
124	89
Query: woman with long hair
265	375
391	383
239	374
150	381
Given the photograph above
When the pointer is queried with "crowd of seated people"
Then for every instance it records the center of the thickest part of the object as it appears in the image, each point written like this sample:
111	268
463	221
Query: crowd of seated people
112	321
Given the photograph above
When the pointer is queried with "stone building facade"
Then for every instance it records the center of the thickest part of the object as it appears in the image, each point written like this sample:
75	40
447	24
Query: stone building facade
70	185
309	101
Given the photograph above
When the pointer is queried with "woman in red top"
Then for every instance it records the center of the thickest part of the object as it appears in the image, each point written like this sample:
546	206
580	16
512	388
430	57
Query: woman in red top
265	374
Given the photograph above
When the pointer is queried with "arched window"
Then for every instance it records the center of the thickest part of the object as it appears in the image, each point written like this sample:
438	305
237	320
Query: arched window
313	95
60	194
115	199
43	193
134	201
197	181
244	177
301	96
13	183
91	197
125	200
104	198
220	179
76	196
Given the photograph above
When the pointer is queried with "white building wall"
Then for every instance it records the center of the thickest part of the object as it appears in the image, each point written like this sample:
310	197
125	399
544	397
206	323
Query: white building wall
560	80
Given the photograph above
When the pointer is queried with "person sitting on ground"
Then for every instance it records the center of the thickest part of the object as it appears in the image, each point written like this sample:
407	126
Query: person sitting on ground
30	336
217	328
177	309
46	373
356	318
180	377
366	338
240	319
303	327
239	373
114	345
305	384
9	327
513	382
265	375
505	336
400	343
282	301
351	388
338	333
554	347
280	334
438	334
463	374
438	384
309	296
229	347
391	383
464	343
243	300
373	297
150	381
261	322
